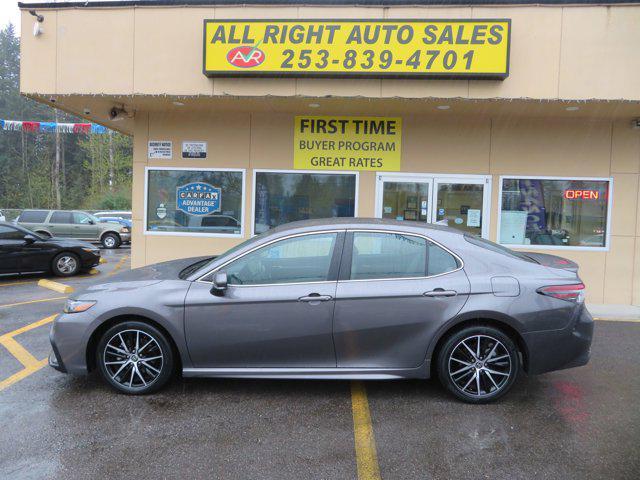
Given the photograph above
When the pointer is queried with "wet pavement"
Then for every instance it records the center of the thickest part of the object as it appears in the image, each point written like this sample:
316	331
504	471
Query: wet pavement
581	423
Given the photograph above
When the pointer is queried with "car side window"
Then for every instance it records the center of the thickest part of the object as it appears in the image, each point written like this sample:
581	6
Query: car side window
61	217
387	255
440	261
294	260
81	218
8	233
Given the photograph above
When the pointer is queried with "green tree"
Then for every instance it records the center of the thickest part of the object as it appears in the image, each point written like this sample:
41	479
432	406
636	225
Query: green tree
77	171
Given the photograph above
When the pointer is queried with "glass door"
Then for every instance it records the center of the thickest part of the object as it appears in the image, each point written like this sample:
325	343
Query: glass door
404	197
463	202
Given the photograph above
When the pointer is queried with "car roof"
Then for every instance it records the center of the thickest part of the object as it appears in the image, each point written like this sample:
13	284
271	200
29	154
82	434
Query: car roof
360	222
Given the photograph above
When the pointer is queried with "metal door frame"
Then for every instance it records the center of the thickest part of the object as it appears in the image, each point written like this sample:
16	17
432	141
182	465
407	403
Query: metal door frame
433	179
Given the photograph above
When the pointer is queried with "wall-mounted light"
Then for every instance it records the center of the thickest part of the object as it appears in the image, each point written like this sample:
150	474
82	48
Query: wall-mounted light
37	28
443	107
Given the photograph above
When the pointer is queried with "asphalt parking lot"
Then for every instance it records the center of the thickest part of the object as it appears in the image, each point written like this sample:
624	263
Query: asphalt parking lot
582	423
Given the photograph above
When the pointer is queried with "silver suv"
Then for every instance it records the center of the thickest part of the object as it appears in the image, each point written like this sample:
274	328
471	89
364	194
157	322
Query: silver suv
74	224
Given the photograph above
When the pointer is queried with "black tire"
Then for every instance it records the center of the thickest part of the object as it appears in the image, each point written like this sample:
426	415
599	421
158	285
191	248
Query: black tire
497	366
123	377
66	264
110	241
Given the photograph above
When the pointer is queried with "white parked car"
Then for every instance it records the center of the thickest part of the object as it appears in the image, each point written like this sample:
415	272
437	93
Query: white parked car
116	213
2	217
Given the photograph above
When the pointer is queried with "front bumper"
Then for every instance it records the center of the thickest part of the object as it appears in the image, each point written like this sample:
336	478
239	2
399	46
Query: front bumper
559	349
68	337
125	237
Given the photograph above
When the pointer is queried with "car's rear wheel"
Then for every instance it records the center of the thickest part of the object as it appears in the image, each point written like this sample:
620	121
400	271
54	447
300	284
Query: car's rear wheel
110	240
135	358
478	364
66	264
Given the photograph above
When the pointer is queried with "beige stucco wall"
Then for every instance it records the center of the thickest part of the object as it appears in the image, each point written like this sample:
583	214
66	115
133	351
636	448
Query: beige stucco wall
556	52
91	59
483	146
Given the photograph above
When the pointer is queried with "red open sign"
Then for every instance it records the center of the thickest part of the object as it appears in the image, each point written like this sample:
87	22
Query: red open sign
582	194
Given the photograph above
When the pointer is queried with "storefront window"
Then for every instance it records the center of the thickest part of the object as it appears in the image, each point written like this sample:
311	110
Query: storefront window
195	201
287	197
569	213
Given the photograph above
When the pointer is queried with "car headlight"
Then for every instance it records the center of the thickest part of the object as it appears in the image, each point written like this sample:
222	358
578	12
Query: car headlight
77	306
124	230
91	250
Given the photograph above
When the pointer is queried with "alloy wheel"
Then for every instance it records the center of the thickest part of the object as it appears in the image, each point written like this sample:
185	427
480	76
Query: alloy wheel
480	366
109	242
133	359
67	264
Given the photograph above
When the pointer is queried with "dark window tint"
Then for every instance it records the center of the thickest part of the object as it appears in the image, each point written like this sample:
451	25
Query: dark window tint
61	217
8	233
387	255
295	260
440	261
33	216
494	247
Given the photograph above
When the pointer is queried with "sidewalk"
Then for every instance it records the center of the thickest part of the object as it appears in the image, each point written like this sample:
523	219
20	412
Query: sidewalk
614	312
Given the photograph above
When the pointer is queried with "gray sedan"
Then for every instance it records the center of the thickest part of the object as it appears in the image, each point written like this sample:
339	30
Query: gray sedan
334	299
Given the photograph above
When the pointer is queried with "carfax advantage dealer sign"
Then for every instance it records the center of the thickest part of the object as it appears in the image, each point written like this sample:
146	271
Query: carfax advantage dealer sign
357	48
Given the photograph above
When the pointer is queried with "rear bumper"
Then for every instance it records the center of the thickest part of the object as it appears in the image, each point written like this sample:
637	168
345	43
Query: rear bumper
559	349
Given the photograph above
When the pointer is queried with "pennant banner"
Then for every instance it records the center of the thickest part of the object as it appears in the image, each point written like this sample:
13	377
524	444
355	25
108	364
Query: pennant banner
51	127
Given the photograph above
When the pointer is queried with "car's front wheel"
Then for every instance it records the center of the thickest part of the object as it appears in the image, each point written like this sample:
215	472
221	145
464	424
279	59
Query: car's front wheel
478	364
66	264
110	240
135	358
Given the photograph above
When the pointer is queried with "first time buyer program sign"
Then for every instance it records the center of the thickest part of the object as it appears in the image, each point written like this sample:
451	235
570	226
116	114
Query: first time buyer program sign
465	48
347	143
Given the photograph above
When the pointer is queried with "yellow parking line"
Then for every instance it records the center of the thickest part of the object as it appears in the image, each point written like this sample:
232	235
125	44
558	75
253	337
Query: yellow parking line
16	283
31	326
24	373
103	260
55	286
18	351
31	364
365	442
118	265
31	301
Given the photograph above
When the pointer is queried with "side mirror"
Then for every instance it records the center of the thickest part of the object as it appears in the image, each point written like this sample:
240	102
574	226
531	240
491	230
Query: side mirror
29	239
219	284
91	222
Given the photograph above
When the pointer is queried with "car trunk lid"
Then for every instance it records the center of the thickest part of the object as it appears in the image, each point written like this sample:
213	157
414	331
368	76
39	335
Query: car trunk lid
553	261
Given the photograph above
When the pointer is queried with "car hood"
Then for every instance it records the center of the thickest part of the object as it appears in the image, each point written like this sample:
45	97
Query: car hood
145	276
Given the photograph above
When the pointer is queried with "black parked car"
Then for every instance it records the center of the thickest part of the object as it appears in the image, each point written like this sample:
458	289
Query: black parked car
23	251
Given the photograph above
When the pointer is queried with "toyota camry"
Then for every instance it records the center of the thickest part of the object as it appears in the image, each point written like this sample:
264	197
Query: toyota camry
334	299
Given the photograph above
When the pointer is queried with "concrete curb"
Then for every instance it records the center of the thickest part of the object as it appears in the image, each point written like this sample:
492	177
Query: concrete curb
615	312
55	286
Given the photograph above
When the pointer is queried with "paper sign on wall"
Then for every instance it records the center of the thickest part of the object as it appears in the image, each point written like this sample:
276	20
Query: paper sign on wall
347	143
194	149
160	149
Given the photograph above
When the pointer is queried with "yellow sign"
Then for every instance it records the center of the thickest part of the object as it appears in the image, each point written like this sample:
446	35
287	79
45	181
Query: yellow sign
347	143
357	48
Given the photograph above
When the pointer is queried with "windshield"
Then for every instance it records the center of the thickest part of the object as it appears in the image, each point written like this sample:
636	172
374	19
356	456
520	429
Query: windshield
494	247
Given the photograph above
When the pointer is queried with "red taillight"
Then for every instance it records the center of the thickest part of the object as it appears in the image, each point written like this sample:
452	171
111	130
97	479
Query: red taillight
571	293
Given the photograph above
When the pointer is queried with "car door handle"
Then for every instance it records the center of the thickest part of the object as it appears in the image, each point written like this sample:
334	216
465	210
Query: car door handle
315	297
439	292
